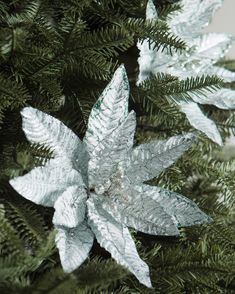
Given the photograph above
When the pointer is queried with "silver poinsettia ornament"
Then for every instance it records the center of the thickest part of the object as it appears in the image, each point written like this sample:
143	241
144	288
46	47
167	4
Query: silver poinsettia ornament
96	186
204	50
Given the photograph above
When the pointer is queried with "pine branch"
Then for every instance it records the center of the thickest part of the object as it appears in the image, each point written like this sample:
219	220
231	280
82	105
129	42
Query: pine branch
13	94
26	221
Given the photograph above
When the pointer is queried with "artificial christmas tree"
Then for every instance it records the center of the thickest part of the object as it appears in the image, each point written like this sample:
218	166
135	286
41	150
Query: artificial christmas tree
58	57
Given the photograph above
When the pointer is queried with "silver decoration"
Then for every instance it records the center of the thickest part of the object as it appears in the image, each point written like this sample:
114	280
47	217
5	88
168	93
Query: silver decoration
70	207
183	211
194	16
134	211
113	148
42	128
223	99
108	196
74	245
199	121
109	111
44	185
115	238
162	214
150	159
152	12
204	50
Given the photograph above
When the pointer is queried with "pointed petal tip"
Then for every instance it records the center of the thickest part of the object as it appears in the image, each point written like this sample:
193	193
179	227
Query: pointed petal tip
132	113
207	219
148	282
145	279
66	269
203	220
201	122
120	77
122	67
150	3
74	245
220	142
18	185
151	12
67	266
121	71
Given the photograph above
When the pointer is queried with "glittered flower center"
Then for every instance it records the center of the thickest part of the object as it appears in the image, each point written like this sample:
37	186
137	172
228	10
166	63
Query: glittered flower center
102	188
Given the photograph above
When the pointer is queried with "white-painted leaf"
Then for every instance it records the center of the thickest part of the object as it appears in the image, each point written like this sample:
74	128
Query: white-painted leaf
109	111
153	210
151	12
70	207
42	128
183	210
212	46
74	245
111	150
43	185
200	122
140	212
116	239
150	159
223	98
194	16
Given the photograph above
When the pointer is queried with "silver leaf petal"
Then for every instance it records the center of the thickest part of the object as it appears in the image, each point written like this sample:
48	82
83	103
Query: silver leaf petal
42	128
116	239
43	185
151	12
223	98
153	210
111	150
203	52
109	111
212	46
200	122
74	245
134	208
193	17
150	159
226	75
70	207
184	211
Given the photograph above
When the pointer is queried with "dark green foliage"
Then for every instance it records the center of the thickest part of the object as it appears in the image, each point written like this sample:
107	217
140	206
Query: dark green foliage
58	56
